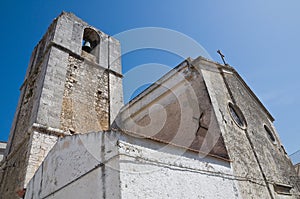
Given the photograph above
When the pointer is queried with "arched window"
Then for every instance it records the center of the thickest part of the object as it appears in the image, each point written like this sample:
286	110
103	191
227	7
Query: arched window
237	115
270	134
90	42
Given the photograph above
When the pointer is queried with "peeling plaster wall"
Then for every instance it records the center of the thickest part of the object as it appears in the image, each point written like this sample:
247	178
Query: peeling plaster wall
79	166
176	110
150	169
116	165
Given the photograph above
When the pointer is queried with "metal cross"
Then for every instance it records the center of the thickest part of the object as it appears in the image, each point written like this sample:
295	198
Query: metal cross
222	56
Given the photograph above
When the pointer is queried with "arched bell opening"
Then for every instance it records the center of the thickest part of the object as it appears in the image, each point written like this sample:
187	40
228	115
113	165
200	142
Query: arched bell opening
90	43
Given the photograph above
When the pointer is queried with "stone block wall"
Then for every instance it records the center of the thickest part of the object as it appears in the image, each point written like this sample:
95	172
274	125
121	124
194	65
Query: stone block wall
21	164
12	177
85	106
66	91
31	89
41	144
47	83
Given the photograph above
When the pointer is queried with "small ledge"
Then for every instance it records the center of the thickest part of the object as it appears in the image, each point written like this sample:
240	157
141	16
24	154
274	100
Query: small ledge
49	130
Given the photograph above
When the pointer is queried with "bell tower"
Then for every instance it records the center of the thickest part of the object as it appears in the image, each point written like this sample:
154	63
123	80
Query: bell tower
73	85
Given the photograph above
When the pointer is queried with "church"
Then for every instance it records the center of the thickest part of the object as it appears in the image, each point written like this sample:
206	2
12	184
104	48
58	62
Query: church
198	132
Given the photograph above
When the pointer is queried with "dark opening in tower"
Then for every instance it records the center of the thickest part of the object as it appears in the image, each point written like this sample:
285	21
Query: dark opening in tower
90	43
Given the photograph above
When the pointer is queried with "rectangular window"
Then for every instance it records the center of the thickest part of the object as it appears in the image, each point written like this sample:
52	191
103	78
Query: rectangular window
282	189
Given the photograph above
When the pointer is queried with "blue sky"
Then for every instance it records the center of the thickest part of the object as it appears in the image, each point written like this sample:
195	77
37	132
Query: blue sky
259	38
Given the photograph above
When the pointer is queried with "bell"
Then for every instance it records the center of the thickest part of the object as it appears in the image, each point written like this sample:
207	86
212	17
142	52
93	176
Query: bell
87	46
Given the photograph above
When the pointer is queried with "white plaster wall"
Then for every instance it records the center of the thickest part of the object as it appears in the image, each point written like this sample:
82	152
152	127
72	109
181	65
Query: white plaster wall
117	165
151	170
76	167
87	187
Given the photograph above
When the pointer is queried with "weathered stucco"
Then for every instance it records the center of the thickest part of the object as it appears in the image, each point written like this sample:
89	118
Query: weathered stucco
150	169
176	110
262	162
116	165
78	166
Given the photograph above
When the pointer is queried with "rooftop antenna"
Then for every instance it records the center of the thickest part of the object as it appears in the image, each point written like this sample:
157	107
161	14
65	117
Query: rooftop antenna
222	56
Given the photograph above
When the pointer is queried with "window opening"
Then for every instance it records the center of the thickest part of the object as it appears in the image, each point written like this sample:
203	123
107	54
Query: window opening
282	189
237	115
90	42
270	134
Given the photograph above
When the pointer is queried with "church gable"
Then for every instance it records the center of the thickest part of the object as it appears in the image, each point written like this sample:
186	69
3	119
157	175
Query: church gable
176	110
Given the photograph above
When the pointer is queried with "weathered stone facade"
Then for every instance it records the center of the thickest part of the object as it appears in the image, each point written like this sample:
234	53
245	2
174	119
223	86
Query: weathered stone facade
252	145
258	157
86	100
198	132
66	91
